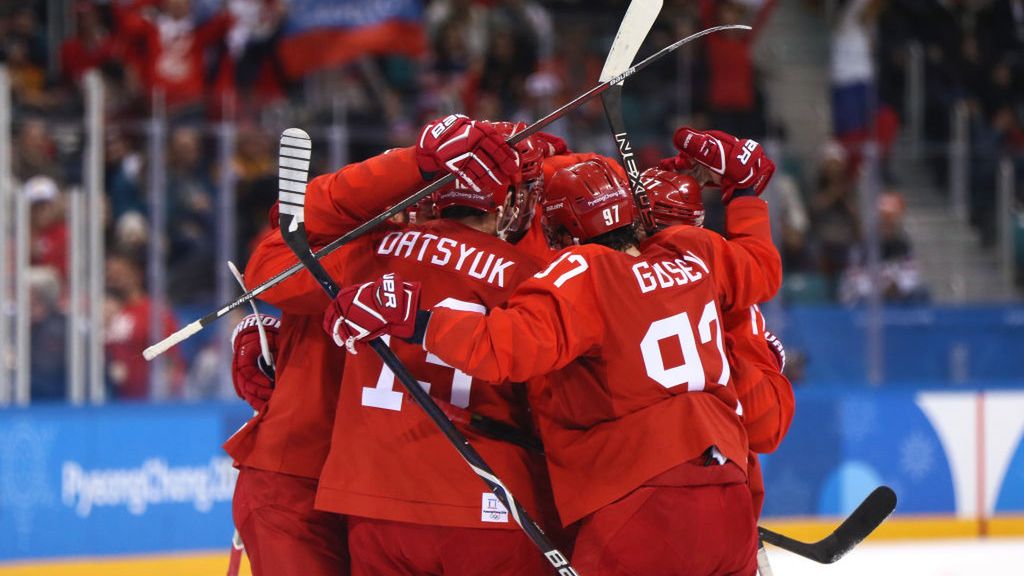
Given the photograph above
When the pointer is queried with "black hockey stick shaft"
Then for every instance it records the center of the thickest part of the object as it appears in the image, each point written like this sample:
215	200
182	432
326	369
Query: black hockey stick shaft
855	528
197	325
293	230
612	101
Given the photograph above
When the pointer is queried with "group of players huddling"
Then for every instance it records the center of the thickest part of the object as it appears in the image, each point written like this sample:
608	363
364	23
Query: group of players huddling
535	300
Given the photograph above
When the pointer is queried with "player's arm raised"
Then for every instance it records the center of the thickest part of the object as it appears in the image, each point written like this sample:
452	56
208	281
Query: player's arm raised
336	203
340	201
748	266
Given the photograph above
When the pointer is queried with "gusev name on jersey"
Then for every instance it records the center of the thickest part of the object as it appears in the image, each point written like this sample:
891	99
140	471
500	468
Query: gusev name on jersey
636	378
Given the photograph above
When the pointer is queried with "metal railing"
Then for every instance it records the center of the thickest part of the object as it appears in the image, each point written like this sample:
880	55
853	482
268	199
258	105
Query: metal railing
6	196
88	380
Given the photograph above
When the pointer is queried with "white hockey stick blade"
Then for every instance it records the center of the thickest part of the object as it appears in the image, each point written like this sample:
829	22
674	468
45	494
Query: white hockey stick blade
268	357
637	22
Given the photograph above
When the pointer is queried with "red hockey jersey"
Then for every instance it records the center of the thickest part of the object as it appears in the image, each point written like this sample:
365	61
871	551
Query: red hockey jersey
386	458
638	378
764	393
292	434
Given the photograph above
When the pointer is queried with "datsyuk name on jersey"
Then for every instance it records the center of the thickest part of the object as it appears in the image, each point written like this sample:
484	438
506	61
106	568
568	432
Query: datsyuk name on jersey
446	253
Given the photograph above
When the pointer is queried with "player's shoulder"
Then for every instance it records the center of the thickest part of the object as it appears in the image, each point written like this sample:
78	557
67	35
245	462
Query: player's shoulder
682	236
583	260
475	238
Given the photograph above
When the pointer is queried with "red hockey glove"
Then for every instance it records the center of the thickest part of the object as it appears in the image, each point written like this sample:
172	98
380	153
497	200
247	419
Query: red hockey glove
366	311
555	145
252	376
775	345
741	164
475	152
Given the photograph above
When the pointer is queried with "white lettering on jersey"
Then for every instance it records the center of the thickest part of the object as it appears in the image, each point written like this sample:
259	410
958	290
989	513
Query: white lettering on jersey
426	242
407	242
667	273
464	252
481	272
498	272
387	244
446	253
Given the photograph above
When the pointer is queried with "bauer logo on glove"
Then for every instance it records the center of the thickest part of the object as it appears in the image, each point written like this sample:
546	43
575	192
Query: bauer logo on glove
737	163
367	311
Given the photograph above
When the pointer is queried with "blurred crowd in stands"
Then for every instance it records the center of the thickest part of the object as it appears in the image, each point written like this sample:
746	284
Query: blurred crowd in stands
196	63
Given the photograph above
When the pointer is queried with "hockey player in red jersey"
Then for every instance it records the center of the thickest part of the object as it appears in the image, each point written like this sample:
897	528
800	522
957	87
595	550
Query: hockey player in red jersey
412	505
280	451
756	356
631	378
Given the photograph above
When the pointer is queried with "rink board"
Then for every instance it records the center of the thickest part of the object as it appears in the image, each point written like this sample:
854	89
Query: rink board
135	480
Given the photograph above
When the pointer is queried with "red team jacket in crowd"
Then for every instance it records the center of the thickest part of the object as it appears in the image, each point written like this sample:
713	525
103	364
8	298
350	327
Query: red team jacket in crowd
387	460
621	355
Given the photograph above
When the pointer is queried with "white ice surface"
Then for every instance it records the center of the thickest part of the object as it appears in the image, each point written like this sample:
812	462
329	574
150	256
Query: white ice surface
988	557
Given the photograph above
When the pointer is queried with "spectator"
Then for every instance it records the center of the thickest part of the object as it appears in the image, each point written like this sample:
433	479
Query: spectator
853	74
732	97
788	203
253	43
458	23
48	226
256	169
90	47
123	175
834	212
901	280
48	326
190	210
511	57
131	235
35	153
128	332
173	50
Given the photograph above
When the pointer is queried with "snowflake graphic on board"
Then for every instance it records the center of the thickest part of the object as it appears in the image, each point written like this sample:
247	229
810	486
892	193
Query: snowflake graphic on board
859	418
25	450
917	455
793	492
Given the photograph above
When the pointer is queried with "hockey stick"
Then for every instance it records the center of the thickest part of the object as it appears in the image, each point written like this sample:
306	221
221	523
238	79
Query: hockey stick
294	153
646	11
265	354
855	528
237	546
197	325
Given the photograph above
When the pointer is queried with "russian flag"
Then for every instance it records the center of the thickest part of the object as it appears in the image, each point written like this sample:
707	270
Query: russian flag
324	33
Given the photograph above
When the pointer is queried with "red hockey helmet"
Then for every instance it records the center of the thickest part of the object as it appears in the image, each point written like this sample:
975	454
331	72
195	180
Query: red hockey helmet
588	199
675	198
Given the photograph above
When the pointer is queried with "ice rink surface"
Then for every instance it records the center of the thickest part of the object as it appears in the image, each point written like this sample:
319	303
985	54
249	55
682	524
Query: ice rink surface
975	557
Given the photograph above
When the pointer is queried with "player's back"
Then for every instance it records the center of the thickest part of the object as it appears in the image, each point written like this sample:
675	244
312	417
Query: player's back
652	391
292	433
388	460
